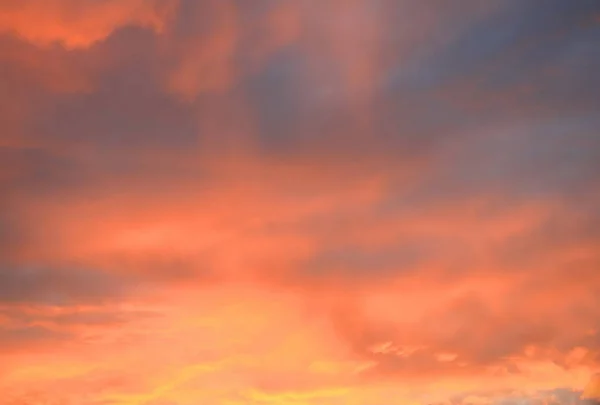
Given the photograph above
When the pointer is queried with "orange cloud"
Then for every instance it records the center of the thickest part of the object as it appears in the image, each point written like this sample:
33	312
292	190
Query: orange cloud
207	62
250	304
79	24
592	389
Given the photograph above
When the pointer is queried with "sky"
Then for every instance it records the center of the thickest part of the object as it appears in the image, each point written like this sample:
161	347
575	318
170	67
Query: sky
299	202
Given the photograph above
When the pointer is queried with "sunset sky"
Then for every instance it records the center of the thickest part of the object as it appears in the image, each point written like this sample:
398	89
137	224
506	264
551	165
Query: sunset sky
299	202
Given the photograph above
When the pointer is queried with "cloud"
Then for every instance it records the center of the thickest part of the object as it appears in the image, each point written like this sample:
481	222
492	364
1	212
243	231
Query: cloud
207	61
284	201
55	287
19	338
76	24
592	390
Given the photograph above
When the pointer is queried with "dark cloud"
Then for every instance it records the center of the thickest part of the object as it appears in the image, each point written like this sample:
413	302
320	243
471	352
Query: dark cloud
526	71
518	44
57	286
352	261
559	396
35	171
29	337
128	109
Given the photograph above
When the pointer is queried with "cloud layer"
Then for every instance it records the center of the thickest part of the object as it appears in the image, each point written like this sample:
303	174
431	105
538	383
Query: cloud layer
299	202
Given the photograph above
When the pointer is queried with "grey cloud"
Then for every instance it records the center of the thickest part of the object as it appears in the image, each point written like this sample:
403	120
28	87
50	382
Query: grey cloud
57	286
128	109
29	337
